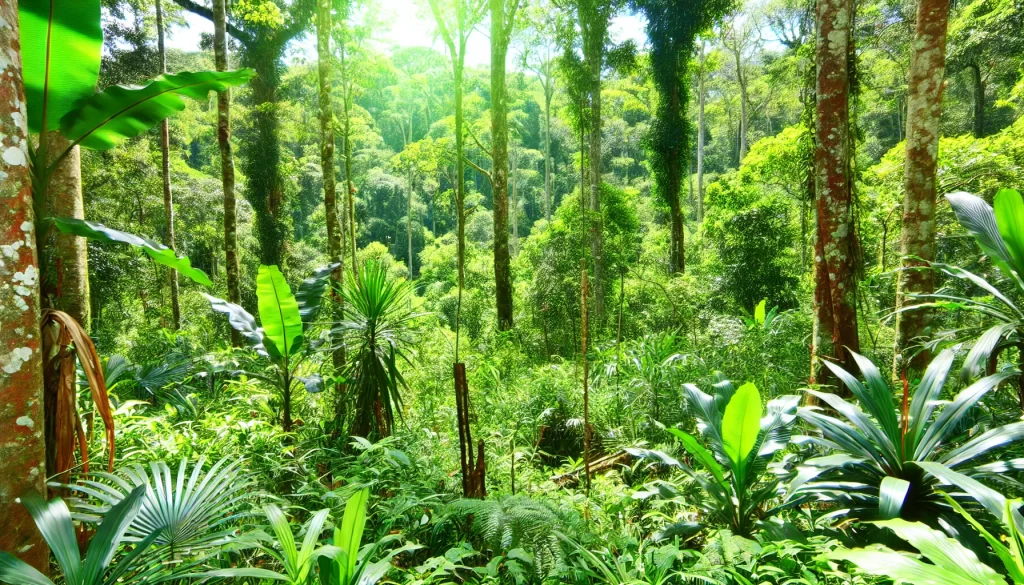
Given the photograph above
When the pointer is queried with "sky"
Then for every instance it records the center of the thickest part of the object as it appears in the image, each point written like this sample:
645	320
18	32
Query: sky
408	29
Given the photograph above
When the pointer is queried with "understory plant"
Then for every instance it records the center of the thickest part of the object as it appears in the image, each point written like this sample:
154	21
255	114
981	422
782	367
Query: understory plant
187	512
882	460
735	479
283	338
105	561
999	232
376	326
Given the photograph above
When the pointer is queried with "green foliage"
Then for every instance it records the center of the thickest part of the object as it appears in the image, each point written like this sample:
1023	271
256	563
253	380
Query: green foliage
949	562
98	567
160	253
187	512
104	119
377	316
742	444
60	54
871	449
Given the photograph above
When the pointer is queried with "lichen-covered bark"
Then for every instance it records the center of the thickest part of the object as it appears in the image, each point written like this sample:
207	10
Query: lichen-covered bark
64	261
165	155
227	163
500	37
334	243
22	448
924	101
833	184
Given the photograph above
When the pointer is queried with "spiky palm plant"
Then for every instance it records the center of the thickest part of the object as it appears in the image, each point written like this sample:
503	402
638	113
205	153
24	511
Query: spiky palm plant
883	459
186	512
376	324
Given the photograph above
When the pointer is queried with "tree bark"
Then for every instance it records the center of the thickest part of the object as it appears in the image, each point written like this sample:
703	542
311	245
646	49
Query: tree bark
22	449
500	38
593	49
979	100
924	95
65	259
833	184
547	148
335	245
262	155
227	163
350	191
408	222
165	157
701	97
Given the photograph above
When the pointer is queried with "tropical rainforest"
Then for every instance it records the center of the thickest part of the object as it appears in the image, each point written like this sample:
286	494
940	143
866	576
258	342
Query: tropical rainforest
659	292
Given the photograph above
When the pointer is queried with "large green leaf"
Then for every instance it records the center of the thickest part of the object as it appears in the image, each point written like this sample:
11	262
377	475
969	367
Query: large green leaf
978	218
240	320
120	112
60	56
740	425
944	552
348	536
891	494
694	448
310	293
160	253
1009	211
279	312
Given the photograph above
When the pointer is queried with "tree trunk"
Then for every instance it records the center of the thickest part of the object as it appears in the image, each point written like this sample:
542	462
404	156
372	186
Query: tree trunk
979	100
22	449
547	151
833	185
350	191
262	156
515	203
227	163
499	164
744	115
64	259
408	224
335	249
701	97
165	156
924	96
593	49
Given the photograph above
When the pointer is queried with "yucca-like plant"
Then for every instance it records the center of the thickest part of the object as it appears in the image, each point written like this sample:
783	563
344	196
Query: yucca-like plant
949	561
377	316
883	458
999	232
102	564
741	444
186	512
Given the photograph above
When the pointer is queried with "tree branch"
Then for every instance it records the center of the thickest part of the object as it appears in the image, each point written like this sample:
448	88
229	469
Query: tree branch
480	170
239	34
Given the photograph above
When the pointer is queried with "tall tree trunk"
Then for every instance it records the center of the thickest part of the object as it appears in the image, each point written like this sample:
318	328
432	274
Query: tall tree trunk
460	176
833	185
408	224
22	449
515	203
547	151
744	114
165	156
924	95
346	145
262	155
64	260
335	249
593	49
227	163
979	100
499	164
701	97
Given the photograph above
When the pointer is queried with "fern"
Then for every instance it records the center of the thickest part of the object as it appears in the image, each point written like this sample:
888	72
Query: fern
513	522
